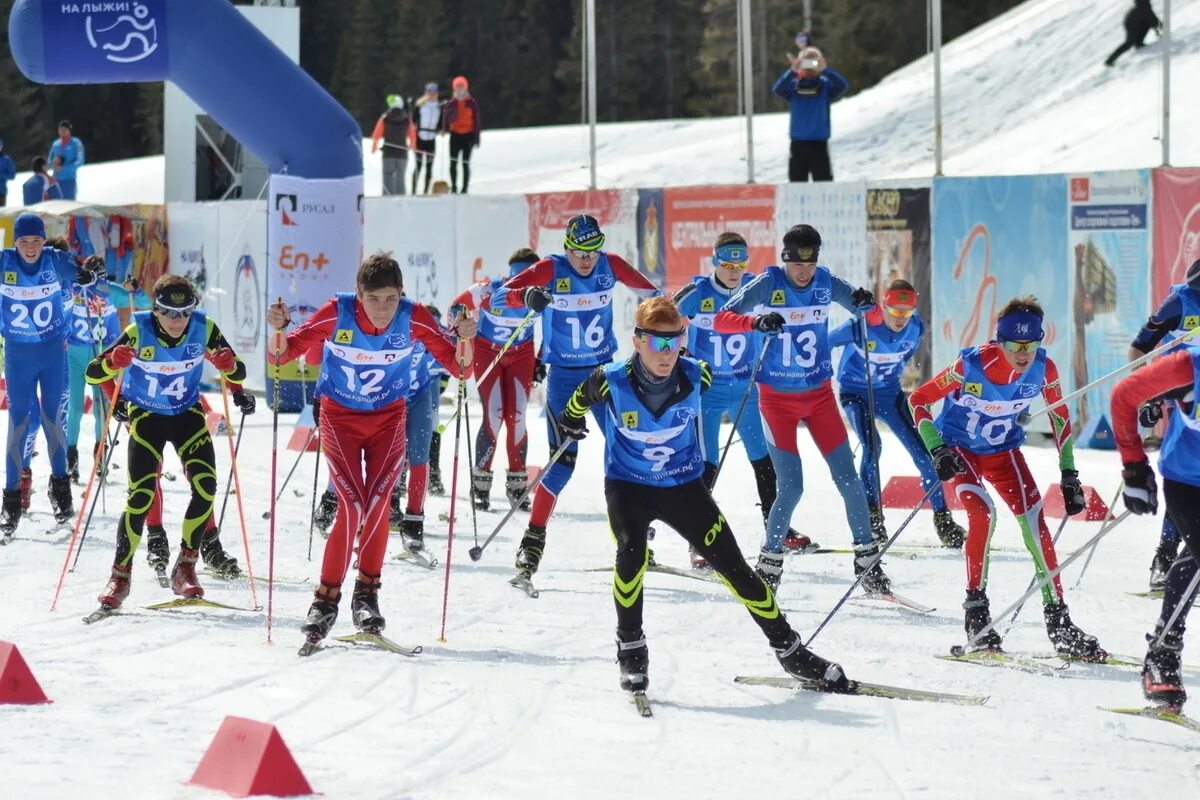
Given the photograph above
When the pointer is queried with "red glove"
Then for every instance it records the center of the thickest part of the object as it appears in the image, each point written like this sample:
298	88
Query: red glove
120	357
223	359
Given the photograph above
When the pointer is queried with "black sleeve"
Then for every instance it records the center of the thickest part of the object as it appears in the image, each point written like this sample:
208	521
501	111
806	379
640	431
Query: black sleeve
593	391
97	369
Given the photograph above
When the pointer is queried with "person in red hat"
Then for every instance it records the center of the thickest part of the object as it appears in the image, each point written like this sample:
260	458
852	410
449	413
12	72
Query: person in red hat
460	117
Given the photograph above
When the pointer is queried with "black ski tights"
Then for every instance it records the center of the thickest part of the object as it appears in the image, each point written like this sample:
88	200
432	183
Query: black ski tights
1184	508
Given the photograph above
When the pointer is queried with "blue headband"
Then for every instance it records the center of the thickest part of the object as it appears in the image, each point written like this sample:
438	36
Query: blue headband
1020	326
515	267
730	254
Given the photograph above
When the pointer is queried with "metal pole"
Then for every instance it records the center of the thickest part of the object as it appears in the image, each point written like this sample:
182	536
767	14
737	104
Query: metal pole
738	58
937	88
1166	87
589	12
747	93
808	16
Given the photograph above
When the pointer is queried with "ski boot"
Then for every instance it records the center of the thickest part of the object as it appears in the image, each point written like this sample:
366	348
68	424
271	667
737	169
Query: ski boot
60	498
633	657
183	576
325	513
805	665
515	485
878	526
73	463
26	488
216	559
397	514
158	551
796	542
117	589
11	514
1067	638
699	563
875	581
529	552
412	532
322	614
770	568
481	488
1161	681
949	532
978	616
1164	557
364	604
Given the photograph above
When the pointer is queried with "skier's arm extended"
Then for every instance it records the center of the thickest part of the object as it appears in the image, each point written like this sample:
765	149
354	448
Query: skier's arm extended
1060	418
593	391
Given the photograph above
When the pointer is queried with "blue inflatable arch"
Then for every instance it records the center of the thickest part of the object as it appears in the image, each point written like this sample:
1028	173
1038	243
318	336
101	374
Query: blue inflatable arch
211	52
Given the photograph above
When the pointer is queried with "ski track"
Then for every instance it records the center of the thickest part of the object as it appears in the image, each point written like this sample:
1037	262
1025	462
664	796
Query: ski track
522	700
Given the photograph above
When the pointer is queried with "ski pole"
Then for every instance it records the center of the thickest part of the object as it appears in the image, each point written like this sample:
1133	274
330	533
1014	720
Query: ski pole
471	460
476	553
292	471
1184	602
88	522
274	498
1017	611
1047	578
462	394
741	409
237	448
479	378
312	519
87	492
237	490
1087	562
878	558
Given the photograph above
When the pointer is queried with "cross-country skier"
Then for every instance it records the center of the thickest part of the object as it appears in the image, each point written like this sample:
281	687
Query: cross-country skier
34	298
369	337
730	357
575	290
977	438
648	408
160	358
894	331
1179	311
1174	378
791	304
503	392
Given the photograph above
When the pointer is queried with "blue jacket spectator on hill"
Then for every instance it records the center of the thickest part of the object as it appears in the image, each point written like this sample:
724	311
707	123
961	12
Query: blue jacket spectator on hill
8	171
810	86
66	157
40	186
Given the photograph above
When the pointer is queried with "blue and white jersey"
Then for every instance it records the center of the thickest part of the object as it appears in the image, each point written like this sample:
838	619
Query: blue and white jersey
94	320
497	323
162	379
577	327
35	299
1179	459
890	351
366	372
729	356
982	416
798	359
652	450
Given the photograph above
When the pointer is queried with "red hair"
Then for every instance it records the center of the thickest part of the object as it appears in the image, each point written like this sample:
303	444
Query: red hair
658	313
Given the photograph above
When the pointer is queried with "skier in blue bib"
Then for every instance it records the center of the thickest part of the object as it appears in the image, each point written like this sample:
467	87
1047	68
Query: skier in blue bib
649	409
894	331
730	356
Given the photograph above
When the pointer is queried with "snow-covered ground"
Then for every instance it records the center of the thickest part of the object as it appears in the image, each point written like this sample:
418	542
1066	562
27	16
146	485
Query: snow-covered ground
522	699
1025	93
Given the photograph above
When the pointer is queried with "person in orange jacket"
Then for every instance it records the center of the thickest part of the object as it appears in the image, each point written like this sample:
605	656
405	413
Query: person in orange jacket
460	117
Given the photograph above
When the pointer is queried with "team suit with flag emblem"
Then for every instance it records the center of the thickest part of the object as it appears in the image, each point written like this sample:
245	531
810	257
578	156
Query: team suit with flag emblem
977	438
649	410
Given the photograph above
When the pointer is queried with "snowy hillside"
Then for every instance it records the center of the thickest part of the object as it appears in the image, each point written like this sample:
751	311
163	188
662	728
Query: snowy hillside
1025	93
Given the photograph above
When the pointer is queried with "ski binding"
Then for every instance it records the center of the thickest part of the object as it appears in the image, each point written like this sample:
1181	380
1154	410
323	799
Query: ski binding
419	557
523	583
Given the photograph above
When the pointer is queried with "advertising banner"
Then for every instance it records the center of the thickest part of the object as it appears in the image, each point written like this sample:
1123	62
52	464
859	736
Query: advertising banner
236	277
194	230
898	248
1176	227
651	242
694	216
1108	260
839	213
419	232
487	230
995	239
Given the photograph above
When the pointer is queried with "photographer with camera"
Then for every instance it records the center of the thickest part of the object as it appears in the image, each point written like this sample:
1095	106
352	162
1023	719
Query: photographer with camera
810	86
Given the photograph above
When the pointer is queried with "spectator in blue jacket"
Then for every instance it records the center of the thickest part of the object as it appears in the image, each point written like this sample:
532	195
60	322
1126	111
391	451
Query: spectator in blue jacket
66	157
810	86
40	186
8	171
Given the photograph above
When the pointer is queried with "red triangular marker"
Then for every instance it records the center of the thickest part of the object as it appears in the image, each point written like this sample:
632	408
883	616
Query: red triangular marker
17	684
250	758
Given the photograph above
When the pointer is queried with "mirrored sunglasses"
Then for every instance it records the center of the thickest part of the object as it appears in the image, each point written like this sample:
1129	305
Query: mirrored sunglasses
900	313
1020	347
586	255
661	342
174	313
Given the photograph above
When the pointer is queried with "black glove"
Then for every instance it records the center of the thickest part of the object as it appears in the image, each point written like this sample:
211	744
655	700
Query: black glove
121	411
1150	413
863	299
244	401
85	277
771	323
1072	492
316	411
1141	490
537	297
572	427
539	371
947	462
